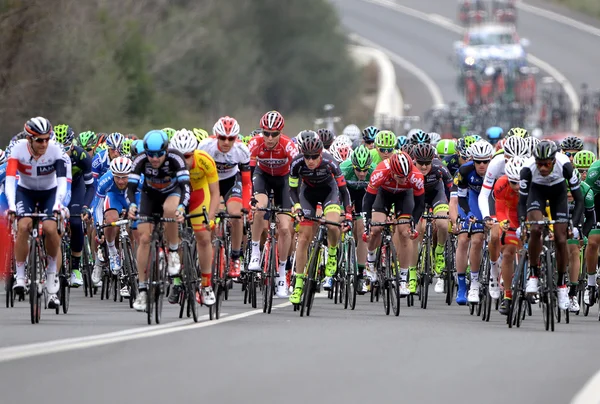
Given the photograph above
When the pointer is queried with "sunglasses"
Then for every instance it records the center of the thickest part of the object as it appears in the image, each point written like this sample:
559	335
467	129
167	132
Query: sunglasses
369	141
156	154
514	182
361	170
312	156
544	163
386	150
41	139
271	134
121	177
481	161
582	170
570	153
424	163
226	139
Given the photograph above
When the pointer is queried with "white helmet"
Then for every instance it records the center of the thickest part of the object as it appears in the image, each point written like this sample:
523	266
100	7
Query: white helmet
481	150
531	143
352	131
516	146
435	138
184	141
226	126
513	167
121	166
342	139
340	151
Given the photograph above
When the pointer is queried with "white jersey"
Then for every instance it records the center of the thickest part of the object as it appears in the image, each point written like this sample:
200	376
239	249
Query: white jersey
228	164
43	173
494	171
555	177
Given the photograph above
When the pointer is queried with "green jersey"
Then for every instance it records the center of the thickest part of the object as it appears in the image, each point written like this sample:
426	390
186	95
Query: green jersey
352	181
588	197
375	156
593	177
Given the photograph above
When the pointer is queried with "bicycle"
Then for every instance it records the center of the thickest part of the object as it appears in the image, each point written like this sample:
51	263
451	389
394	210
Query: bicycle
449	273
87	264
314	270
250	280
156	269
110	281
10	264
345	281
388	272
270	254
64	274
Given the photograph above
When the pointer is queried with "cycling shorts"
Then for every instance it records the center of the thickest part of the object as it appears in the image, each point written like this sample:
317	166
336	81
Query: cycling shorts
404	202
27	200
112	200
231	188
356	197
475	212
436	196
199	198
556	195
329	197
152	202
510	237
264	183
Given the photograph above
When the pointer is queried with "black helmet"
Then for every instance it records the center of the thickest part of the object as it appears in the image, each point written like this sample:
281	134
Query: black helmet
545	150
423	152
38	126
572	143
310	142
326	137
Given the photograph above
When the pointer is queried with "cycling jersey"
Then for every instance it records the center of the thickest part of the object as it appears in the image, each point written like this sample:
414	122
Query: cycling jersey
382	178
100	164
108	196
375	157
589	208
507	202
275	161
171	178
438	173
494	171
3	200
452	163
468	184
202	173
593	177
352	180
230	163
44	173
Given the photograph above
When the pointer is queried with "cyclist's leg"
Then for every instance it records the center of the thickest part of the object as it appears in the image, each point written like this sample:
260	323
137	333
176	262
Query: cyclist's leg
559	210
331	212
308	202
76	226
284	222
233	204
536	202
113	204
574	266
205	253
172	232
509	252
258	221
591	262
25	204
462	260
404	206
440	208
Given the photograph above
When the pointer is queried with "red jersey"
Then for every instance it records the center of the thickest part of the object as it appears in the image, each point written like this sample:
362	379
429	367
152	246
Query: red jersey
275	161
382	178
507	202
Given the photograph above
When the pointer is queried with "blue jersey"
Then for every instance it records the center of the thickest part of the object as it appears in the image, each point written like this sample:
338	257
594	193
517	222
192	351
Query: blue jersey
468	184
3	200
452	163
100	165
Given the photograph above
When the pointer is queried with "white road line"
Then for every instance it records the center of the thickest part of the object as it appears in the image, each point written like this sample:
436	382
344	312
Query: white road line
431	86
449	25
590	393
559	18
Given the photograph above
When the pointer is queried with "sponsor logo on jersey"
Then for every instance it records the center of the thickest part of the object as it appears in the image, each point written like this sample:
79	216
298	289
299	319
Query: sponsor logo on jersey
273	162
417	182
45	170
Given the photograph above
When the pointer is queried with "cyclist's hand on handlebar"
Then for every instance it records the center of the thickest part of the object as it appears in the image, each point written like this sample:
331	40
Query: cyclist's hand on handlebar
504	225
132	211
180	214
489	222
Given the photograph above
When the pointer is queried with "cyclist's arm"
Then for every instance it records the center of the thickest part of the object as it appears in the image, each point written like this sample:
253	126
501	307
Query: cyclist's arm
574	185
246	185
66	199
524	186
293	182
60	166
10	183
134	177
590	220
215	199
88	179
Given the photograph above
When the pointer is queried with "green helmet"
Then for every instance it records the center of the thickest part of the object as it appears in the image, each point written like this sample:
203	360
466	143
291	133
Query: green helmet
361	158
170	132
126	147
386	139
584	159
471	138
446	147
101	146
64	135
200	134
520	132
87	140
246	140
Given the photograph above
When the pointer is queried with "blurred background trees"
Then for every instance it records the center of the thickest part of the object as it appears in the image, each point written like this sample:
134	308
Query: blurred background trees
130	65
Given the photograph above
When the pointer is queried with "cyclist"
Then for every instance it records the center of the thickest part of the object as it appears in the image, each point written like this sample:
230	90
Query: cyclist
82	193
468	182
591	252
402	140
419	137
582	161
357	171
385	144
434	138
513	147
200	134
438	182
165	190
235	182
494	134
170	132
327	137
445	148
42	173
369	134
340	151
102	159
87	141
109	202
322	182
353	133
395	181
519	132
506	197
271	155
455	161
543	179
571	145
204	182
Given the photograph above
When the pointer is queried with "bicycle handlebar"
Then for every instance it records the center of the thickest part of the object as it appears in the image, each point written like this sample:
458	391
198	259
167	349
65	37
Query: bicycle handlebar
321	220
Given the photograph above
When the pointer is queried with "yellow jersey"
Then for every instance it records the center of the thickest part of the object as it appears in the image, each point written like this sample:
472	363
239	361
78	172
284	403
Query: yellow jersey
203	171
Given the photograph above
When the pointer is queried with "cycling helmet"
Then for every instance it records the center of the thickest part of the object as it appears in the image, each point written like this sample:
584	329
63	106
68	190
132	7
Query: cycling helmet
156	141
402	140
343	139
272	121
170	132
494	134
3	157
64	135
226	126
408	148
326	137
584	159
87	140
420	137
435	138
361	158
572	143
121	166
461	146
310	142
126	147
137	147
101	146
545	150
531	143
471	138
385	139
352	131
200	134
369	133
481	150
520	132
184	141
101	137
255	132
246	140
423	152
38	126
114	141
512	168
400	164
340	151
516	146
446	147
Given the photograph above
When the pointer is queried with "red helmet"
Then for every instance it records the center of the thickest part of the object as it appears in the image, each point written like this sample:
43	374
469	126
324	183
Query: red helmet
400	164
226	126
272	121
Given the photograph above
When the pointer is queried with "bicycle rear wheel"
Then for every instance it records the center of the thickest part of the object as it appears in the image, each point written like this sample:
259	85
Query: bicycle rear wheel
160	284
151	292
351	277
449	273
191	279
307	292
269	274
425	279
394	281
34	296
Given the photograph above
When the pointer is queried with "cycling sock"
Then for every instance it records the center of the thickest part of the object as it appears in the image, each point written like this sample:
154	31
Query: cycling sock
51	265
174	247
462	281
439	249
282	265
573	289
142	286
474	277
288	264
591	277
560	280
508	294
256	248
403	274
494	270
21	270
206	279
371	255
112	250
235	254
75	262
361	269
333	251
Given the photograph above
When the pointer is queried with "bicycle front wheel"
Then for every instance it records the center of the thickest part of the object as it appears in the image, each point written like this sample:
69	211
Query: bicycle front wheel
34	296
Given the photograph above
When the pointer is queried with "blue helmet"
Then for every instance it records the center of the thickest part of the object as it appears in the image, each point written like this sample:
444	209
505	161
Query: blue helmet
369	133
402	140
156	141
494	134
